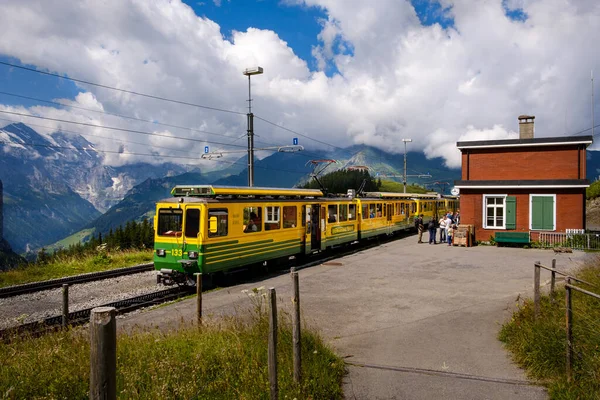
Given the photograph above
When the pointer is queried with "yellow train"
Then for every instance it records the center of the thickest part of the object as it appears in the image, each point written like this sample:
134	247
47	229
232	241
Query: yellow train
209	229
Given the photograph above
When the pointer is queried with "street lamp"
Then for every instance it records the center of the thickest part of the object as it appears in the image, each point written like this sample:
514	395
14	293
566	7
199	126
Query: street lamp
249	72
404	178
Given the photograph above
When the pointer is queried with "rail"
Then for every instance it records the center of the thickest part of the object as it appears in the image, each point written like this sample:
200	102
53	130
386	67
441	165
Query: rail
33	287
82	316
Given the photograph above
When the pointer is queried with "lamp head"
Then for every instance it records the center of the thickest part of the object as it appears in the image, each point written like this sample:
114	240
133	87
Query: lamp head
253	71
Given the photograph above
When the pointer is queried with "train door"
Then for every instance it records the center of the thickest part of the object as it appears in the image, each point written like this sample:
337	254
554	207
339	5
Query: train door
389	208
313	228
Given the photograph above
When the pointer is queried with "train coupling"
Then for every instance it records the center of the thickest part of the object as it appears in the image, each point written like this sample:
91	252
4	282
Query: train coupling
169	277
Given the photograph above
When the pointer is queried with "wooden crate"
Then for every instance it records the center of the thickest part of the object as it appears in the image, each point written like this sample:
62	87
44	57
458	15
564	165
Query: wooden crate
463	236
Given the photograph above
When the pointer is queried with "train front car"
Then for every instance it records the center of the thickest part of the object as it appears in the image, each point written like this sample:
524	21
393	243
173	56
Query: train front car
216	229
178	228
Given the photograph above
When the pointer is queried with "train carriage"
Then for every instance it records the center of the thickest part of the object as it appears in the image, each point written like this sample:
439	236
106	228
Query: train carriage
209	229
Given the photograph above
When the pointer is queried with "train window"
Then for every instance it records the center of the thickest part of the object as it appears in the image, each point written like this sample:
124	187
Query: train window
372	211
290	217
352	212
222	222
192	222
252	219
343	212
379	207
169	222
272	220
332	215
365	211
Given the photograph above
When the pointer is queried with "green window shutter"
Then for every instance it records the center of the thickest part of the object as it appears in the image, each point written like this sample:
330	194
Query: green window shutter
542	212
548	213
511	212
536	212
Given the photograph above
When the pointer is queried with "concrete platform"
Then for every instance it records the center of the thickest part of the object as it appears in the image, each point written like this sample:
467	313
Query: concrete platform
416	321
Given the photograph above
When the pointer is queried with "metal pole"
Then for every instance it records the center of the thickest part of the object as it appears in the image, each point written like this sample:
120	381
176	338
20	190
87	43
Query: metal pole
65	305
272	354
296	338
569	320
250	138
592	73
404	167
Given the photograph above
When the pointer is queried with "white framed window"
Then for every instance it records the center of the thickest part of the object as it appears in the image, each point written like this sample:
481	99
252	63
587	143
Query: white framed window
542	212
494	211
272	214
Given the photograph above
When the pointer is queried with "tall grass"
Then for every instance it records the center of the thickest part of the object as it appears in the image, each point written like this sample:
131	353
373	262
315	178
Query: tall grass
225	360
73	265
540	345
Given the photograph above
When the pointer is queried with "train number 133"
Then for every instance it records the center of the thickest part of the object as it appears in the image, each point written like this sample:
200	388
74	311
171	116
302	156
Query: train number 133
177	252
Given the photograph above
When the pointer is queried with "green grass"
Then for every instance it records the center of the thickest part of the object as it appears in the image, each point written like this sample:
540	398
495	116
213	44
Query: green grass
75	238
397	187
73	265
225	360
540	346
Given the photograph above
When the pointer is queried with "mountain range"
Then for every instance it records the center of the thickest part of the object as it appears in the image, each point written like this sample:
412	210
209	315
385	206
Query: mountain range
55	185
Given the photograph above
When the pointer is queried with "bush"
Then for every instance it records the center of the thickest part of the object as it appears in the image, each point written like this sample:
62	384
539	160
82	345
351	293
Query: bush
540	345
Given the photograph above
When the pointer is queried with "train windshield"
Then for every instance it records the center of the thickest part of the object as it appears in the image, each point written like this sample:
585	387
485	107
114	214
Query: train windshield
170	222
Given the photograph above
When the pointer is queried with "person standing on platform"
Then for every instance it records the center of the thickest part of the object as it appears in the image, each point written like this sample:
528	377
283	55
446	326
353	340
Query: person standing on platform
442	224
420	227
451	233
431	229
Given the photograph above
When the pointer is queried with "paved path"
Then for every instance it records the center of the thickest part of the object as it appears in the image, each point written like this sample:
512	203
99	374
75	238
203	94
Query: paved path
417	321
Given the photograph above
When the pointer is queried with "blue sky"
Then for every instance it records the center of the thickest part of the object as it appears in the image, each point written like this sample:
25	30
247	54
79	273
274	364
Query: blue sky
299	26
343	71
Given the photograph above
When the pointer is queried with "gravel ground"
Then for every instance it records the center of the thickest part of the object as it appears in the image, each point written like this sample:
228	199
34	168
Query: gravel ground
36	306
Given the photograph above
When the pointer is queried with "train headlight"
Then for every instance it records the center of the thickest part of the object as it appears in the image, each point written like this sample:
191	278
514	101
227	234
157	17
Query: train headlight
161	252
192	255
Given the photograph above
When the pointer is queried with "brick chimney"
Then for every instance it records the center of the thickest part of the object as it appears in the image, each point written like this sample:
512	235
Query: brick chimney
526	126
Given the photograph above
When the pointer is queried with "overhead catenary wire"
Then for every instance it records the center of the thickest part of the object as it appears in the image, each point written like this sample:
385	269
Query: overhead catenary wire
113	114
121	90
139	154
84	135
298	133
118	129
304	154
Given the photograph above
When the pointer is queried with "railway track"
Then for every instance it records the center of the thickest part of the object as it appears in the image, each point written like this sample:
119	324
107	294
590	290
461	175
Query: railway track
33	287
127	305
81	317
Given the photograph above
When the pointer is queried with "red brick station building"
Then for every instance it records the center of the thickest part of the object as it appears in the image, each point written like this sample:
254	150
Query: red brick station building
514	189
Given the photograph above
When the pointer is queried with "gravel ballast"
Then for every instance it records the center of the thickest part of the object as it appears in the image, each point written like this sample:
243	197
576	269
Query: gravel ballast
37	306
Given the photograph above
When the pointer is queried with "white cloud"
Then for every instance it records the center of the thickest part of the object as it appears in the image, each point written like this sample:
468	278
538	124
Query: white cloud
397	79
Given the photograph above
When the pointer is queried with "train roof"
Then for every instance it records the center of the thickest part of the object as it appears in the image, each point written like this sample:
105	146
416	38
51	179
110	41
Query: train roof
392	195
241	191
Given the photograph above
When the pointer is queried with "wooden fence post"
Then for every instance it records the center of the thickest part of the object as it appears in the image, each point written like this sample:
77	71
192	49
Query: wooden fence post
103	354
569	320
199	298
536	290
273	344
296	338
553	281
65	305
